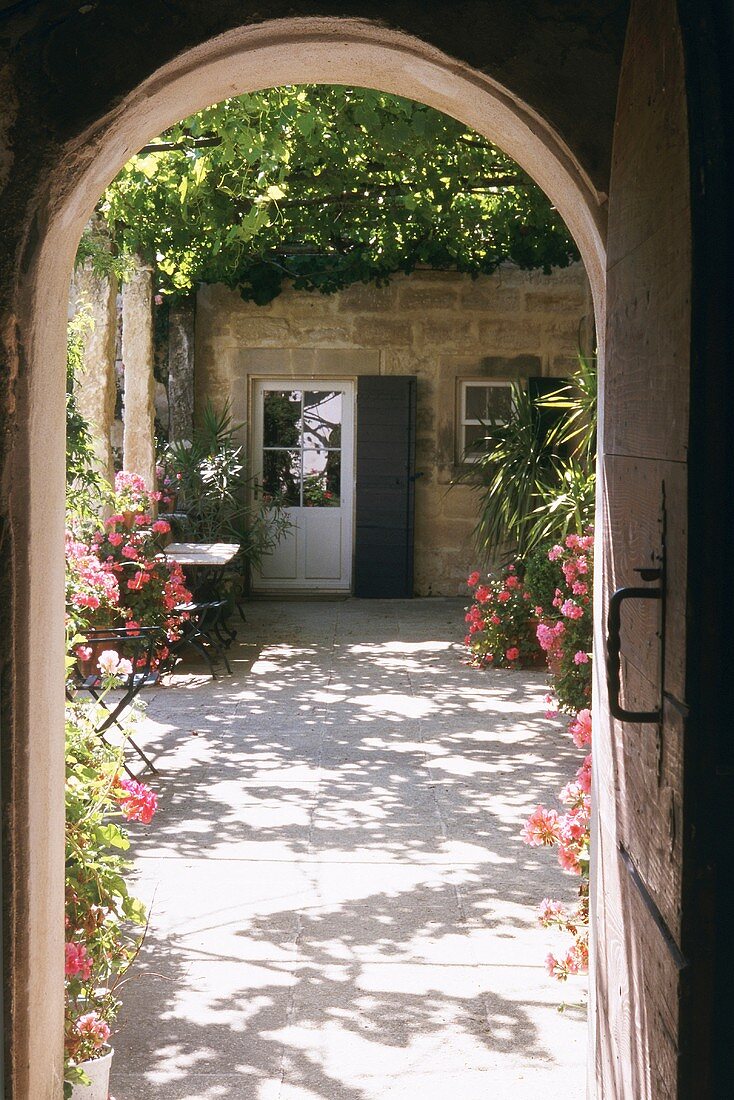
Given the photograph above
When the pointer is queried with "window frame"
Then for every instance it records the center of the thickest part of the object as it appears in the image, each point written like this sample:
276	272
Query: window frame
463	421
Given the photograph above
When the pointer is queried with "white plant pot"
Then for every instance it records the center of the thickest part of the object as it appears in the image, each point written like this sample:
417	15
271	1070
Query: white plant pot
98	1072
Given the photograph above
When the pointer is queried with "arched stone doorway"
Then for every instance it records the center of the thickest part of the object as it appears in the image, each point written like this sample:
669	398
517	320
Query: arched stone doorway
639	977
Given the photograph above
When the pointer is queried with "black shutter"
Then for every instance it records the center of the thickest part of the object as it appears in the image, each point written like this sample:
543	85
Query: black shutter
383	553
540	387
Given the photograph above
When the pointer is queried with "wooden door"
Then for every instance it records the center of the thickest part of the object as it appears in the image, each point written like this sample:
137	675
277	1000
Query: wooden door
303	440
641	972
383	555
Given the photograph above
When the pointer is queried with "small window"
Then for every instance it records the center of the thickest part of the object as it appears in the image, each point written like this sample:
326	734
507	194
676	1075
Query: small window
481	404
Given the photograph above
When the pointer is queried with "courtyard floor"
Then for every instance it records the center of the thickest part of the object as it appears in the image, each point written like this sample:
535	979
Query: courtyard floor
340	905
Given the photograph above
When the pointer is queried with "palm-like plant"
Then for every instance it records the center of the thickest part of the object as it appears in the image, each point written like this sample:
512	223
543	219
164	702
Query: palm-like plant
538	485
213	489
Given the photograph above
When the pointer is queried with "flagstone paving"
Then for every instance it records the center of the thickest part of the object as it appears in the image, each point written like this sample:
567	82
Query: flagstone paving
340	905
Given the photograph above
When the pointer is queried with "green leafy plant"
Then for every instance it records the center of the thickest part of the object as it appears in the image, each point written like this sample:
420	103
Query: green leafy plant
102	918
537	486
515	471
324	186
214	491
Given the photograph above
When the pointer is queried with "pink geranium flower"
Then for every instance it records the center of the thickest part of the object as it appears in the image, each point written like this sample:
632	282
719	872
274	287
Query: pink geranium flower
137	801
90	1026
551	912
77	962
473	579
541	828
580	728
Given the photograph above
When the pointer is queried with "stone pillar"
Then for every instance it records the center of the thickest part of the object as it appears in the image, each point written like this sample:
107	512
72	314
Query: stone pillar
181	370
95	388
137	357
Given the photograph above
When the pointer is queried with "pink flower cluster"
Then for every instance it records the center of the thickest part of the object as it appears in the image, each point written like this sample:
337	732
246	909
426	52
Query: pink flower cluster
580	728
569	833
136	800
541	829
77	963
120	575
111	664
90	1026
90	585
575	961
499	621
549	637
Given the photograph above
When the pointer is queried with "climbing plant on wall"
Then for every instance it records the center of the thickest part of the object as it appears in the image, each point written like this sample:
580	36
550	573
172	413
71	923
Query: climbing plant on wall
325	186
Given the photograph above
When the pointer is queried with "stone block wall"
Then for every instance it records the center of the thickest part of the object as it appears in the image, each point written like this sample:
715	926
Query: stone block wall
440	326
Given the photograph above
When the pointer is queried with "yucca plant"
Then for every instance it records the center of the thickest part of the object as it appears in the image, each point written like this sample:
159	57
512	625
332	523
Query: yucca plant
538	485
515	470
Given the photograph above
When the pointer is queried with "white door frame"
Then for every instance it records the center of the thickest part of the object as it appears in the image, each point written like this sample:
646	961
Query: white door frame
299	583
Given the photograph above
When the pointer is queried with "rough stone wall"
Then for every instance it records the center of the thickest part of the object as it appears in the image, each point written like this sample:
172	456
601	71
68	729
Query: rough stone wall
96	387
440	326
137	354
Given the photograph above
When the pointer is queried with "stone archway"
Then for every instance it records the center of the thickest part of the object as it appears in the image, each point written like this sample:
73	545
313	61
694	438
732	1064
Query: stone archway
287	51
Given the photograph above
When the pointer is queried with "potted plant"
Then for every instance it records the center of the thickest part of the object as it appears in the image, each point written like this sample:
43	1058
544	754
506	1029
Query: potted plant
101	916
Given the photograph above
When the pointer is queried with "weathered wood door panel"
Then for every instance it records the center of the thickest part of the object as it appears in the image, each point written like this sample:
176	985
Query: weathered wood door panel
638	885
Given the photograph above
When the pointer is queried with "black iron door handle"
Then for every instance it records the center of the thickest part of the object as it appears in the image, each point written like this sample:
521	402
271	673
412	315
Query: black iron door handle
614	651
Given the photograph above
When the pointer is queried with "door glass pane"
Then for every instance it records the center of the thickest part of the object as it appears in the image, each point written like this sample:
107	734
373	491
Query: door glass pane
281	418
490	404
322	418
282	476
321	479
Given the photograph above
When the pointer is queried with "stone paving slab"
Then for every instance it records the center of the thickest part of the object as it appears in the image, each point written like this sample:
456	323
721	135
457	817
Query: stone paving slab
341	906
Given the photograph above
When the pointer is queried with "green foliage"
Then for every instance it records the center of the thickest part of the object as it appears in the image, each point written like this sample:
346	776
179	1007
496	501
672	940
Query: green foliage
515	470
327	186
537	487
101	915
542	576
213	489
576	429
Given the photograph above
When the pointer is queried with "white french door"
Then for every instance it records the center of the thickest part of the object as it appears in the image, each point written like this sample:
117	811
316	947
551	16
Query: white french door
303	455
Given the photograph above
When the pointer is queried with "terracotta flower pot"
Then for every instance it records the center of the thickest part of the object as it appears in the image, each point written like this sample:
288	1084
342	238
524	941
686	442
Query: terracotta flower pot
98	1072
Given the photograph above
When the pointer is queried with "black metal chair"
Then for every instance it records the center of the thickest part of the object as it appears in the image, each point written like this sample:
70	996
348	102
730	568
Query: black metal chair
203	630
140	649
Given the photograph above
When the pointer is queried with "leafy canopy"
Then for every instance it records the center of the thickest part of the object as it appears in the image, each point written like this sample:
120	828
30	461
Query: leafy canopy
325	186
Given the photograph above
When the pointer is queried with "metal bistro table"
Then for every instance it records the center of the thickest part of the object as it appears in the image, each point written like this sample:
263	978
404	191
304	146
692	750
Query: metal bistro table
207	630
212	555
208	560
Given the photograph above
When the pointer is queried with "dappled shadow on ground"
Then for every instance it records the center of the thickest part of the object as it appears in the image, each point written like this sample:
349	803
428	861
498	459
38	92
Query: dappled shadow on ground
341	906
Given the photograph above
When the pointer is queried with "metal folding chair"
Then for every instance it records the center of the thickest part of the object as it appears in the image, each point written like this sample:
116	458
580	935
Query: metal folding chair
202	631
140	650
